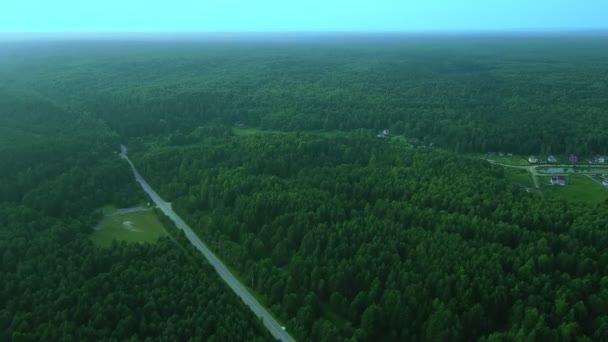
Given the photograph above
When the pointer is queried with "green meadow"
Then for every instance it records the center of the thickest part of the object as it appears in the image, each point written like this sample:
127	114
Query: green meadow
579	187
519	177
141	226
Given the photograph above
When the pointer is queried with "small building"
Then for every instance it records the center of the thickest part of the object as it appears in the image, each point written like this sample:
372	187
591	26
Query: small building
573	158
599	159
558	180
533	160
383	133
413	141
551	159
605	182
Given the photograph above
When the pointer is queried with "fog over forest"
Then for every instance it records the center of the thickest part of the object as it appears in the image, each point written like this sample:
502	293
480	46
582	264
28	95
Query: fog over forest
348	186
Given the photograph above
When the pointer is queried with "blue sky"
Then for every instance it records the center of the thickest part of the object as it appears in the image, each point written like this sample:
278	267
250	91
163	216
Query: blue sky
297	15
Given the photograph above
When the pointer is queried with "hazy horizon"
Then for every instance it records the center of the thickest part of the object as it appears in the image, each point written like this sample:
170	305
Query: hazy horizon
228	35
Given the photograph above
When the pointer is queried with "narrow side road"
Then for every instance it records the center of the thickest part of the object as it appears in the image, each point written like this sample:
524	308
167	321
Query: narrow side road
531	169
269	322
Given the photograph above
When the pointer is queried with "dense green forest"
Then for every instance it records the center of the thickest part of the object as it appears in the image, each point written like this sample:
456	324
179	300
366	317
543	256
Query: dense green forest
57	168
514	94
344	236
347	236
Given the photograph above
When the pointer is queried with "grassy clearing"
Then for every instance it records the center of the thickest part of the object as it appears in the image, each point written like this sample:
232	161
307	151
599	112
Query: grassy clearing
108	209
241	132
519	176
136	227
579	188
509	160
399	139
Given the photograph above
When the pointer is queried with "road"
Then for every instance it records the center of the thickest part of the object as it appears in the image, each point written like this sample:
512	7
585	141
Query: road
269	322
531	169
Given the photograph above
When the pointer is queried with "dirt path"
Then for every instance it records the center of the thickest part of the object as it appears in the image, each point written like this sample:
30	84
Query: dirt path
531	169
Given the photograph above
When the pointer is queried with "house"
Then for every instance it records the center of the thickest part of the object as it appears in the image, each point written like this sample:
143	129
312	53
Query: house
605	182
533	160
551	159
558	180
599	159
383	133
573	158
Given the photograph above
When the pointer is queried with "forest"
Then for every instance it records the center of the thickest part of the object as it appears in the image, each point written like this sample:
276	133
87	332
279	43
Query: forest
348	237
521	94
57	168
343	235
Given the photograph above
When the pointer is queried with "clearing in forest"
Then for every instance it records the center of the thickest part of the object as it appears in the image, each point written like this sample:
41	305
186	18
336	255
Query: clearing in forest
130	225
578	187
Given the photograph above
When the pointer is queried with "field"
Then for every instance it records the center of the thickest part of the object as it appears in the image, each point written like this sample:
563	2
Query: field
519	177
137	225
245	131
579	187
509	160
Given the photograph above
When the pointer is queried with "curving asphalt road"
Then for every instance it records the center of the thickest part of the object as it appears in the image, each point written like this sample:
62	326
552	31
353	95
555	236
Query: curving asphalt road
269	322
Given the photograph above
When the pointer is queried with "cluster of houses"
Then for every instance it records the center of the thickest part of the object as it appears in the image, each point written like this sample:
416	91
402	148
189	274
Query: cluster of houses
561	180
572	158
598	159
550	159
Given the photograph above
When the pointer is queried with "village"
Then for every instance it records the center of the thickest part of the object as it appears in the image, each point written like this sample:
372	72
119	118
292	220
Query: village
557	170
568	177
594	167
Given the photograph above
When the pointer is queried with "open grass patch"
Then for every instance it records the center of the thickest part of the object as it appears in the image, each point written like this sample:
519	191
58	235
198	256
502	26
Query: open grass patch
579	188
519	177
138	225
509	160
241	132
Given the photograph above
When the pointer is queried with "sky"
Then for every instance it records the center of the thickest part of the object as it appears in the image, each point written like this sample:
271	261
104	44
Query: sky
297	15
